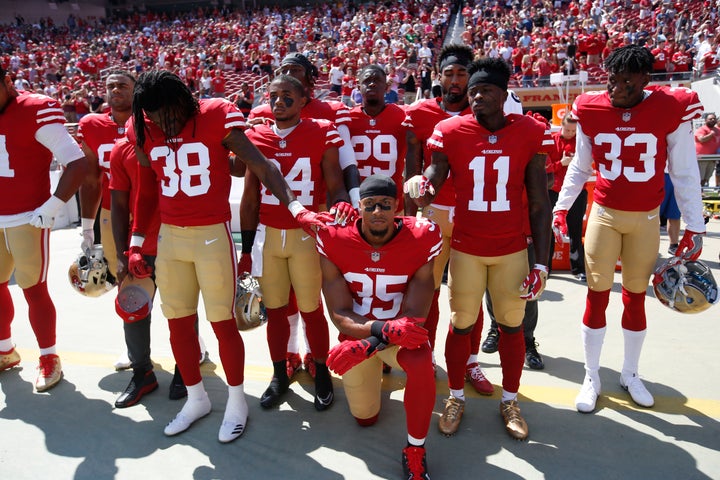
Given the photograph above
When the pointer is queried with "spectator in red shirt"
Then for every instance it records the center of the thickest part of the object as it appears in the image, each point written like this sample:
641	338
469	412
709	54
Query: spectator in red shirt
681	62
218	84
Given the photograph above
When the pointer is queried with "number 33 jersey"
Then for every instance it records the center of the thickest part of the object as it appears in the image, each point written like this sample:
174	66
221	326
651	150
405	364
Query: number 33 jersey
629	146
378	278
488	170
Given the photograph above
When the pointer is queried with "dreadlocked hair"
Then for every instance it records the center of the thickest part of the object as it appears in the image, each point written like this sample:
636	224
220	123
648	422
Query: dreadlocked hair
629	59
462	52
158	89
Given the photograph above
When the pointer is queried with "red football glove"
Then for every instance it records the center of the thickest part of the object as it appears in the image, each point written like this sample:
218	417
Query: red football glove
690	246
534	283
539	117
404	332
137	267
309	220
344	213
559	226
349	353
245	263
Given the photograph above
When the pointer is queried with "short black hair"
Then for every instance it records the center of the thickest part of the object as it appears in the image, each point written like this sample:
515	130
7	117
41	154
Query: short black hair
462	53
124	73
296	84
630	59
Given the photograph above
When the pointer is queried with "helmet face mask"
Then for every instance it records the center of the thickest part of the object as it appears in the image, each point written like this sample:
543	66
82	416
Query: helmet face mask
685	286
249	309
89	274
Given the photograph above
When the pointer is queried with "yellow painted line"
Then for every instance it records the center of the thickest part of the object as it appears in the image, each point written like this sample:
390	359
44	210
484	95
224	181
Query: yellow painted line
614	400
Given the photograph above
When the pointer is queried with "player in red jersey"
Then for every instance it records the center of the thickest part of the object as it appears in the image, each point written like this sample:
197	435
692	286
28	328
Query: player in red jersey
621	132
421	120
183	147
495	160
297	65
32	131
377	281
97	133
378	130
284	254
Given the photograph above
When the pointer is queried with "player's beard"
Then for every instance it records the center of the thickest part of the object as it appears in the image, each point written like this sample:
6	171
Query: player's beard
453	98
372	101
379	233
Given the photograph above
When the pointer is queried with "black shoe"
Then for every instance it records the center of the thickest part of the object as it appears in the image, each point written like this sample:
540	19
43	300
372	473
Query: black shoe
177	386
324	394
672	248
141	383
532	358
490	345
580	276
277	388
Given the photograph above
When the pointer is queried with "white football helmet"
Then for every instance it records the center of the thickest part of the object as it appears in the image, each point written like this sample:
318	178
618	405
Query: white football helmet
685	286
249	309
89	274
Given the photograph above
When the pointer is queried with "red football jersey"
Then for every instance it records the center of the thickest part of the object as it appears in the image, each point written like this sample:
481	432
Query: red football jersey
100	132
380	144
299	157
488	169
421	119
123	177
193	168
24	162
629	146
378	278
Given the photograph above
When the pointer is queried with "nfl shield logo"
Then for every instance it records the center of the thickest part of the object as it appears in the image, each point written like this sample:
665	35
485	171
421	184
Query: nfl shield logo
626	116
372	122
492	139
375	256
282	143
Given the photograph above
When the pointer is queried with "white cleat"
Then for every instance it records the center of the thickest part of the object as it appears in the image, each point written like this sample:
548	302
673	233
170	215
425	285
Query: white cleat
123	362
587	397
192	411
637	390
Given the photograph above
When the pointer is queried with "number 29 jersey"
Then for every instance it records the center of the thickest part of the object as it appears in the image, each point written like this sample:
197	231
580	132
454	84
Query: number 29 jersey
378	278
488	170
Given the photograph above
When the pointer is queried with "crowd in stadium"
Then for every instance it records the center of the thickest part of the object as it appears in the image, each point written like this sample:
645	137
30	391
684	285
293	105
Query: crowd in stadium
537	38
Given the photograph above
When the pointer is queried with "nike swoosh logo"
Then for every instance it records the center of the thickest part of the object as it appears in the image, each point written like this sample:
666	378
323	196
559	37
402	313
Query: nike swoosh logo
208	242
650	217
52	104
304	237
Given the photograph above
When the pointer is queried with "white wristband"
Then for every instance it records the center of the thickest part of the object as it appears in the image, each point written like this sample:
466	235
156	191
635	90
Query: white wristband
354	197
540	267
136	241
88	223
295	208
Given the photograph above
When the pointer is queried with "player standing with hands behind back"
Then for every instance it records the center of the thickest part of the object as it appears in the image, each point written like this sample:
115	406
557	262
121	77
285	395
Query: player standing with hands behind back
620	131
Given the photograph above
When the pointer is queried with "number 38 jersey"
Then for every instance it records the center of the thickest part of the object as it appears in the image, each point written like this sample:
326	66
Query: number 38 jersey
193	167
630	146
488	170
378	278
299	157
380	144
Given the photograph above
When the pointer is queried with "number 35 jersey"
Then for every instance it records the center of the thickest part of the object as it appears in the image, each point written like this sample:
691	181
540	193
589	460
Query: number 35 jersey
630	146
378	278
488	170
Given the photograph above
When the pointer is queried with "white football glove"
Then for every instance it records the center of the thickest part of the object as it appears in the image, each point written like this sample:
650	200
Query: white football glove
44	215
88	234
418	186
